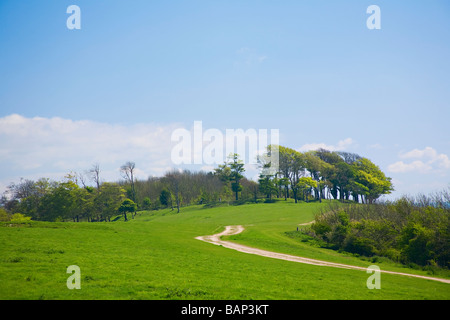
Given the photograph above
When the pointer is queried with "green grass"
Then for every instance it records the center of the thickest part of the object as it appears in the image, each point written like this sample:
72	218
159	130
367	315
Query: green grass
155	256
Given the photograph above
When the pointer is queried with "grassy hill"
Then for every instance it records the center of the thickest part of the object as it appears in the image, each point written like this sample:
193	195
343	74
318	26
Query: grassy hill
156	256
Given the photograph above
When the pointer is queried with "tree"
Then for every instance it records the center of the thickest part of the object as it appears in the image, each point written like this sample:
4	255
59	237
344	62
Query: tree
164	197
127	205
371	179
231	172
146	203
305	185
174	183
283	182
267	185
316	166
297	167
292	167
237	168
109	200
59	204
285	155
128	172
94	175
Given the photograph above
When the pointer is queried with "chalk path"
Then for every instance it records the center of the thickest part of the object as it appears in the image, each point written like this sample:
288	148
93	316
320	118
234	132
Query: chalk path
232	230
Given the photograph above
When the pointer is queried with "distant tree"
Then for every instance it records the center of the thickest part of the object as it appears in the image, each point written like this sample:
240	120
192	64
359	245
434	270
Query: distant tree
267	185
236	169
223	172
109	199
305	185
146	203
371	179
128	172
164	197
129	206
175	183
94	175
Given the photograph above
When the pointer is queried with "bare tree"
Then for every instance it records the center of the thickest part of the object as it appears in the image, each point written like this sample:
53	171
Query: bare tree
128	170
94	174
82	178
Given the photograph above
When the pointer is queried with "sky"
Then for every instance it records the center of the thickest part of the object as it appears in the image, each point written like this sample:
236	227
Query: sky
116	89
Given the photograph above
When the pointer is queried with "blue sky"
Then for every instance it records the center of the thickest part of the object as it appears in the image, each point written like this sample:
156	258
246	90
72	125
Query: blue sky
136	70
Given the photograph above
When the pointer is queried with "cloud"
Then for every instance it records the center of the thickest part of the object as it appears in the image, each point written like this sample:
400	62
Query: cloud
417	166
43	147
426	160
340	146
249	56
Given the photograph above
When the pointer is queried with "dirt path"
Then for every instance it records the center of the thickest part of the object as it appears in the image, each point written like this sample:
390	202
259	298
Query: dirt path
232	230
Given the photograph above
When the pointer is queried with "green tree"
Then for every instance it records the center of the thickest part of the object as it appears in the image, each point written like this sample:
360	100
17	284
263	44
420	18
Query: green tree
267	185
231	172
291	167
372	181
129	206
146	203
237	168
109	200
305	185
165	197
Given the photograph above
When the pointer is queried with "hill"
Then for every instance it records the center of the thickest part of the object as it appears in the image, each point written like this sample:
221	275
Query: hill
156	256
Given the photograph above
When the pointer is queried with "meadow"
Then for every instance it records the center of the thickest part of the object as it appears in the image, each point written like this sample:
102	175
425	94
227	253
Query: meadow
155	256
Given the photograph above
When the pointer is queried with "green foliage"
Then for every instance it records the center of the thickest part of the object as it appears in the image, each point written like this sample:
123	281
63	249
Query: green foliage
405	231
4	216
267	185
322	173
19	218
146	203
231	172
127	206
165	197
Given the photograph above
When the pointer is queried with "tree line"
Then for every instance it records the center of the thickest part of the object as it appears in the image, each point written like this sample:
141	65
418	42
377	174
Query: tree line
307	176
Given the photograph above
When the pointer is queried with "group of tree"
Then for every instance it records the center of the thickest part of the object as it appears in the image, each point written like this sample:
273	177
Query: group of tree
312	175
75	200
65	200
323	174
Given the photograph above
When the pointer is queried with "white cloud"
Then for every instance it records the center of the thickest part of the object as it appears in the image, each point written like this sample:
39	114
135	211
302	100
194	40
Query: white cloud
340	146
426	161
249	56
417	166
40	147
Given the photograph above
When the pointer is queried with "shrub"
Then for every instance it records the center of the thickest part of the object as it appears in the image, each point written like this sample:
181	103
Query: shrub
19	218
411	231
359	245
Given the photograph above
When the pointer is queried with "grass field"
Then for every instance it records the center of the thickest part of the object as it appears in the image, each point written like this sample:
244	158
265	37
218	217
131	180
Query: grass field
156	256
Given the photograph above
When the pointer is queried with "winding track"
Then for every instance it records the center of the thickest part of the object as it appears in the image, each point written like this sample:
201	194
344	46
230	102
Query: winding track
232	230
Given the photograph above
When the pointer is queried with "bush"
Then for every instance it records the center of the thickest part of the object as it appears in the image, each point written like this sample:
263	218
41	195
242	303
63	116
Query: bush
361	246
19	218
410	231
4	215
417	243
